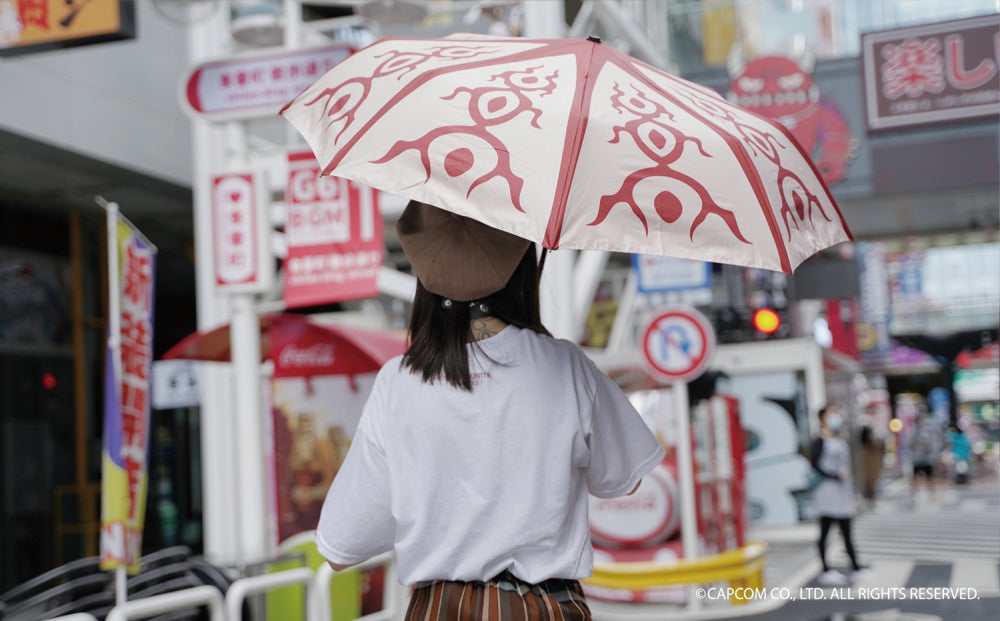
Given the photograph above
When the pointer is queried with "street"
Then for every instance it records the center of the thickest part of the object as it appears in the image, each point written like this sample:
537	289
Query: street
931	559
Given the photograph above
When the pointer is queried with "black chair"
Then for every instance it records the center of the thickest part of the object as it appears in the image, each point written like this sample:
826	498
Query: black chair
211	574
166	556
98	604
158	574
49	579
40	603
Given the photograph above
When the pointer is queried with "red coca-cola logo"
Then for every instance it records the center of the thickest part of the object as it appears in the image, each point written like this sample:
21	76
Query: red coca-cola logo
318	355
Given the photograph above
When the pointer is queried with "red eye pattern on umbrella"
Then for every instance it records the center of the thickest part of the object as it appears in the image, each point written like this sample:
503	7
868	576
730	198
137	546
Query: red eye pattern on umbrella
798	203
488	106
650	132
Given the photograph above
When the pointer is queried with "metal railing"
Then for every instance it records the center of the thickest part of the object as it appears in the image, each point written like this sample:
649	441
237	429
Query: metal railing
146	607
230	606
243	587
393	595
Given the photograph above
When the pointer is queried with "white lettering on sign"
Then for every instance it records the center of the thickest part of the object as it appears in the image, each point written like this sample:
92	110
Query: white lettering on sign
245	87
319	211
318	355
233	204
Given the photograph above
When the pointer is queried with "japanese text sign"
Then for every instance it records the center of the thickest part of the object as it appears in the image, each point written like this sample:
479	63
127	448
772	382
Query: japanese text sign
256	86
949	71
333	230
239	230
36	25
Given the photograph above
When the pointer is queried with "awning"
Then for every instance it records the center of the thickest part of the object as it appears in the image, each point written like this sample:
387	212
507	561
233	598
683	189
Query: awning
299	347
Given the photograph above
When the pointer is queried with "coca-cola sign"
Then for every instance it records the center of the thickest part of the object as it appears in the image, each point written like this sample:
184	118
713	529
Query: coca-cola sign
316	356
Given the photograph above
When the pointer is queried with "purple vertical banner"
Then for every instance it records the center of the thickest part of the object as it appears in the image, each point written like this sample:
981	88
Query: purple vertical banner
114	479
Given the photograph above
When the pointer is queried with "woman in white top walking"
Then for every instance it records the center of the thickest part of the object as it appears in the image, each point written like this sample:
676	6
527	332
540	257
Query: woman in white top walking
834	498
477	448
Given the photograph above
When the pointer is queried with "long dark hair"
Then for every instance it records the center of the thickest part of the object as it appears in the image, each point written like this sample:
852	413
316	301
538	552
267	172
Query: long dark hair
438	335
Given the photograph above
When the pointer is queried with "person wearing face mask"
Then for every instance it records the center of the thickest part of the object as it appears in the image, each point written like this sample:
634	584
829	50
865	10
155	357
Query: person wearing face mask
833	497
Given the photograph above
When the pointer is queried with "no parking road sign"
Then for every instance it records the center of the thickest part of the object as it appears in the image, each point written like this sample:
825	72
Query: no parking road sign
677	344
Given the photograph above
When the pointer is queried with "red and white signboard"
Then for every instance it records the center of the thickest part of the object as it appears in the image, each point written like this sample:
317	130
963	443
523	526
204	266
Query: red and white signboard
239	234
333	230
644	518
932	73
677	344
256	86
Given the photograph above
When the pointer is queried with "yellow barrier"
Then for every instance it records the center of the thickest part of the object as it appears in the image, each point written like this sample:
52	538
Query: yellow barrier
741	568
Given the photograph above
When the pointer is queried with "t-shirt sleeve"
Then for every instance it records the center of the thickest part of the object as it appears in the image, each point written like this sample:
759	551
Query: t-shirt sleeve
356	521
622	447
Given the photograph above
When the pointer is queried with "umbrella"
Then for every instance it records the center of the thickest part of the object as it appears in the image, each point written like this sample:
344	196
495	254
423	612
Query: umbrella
571	144
299	347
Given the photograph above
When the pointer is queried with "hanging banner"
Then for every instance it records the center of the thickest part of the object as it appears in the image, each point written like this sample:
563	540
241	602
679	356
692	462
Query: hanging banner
333	230
131	264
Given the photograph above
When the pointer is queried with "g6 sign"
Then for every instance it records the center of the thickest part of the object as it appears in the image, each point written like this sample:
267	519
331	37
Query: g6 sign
334	236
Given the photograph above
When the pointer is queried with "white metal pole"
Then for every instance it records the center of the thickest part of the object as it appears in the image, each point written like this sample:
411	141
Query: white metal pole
248	419
292	10
544	20
244	331
208	40
556	293
685	474
587	274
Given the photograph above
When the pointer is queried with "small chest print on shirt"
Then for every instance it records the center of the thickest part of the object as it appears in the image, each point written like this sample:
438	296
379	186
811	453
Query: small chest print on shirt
478	378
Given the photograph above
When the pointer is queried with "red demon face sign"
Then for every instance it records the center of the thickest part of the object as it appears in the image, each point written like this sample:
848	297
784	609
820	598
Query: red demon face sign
782	89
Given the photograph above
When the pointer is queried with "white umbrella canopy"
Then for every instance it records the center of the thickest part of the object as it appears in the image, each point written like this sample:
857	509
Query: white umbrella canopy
571	144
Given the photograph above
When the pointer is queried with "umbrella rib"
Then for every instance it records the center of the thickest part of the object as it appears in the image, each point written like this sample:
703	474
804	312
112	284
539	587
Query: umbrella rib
576	127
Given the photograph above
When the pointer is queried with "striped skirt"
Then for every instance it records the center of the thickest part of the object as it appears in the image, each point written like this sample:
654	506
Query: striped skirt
504	598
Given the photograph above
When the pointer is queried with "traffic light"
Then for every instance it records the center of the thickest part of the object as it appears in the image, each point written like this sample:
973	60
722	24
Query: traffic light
766	321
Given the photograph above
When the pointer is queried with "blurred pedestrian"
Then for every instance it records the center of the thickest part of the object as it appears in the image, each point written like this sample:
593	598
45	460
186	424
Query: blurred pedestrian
477	448
872	449
961	454
833	497
925	450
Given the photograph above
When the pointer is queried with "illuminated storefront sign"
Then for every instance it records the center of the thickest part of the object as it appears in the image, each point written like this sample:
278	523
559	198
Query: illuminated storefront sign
948	71
36	25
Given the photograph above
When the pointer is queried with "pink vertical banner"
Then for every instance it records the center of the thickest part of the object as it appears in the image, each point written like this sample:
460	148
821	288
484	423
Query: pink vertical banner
333	230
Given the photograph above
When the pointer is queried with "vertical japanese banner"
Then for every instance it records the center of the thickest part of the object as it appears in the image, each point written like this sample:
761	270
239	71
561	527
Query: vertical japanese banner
333	230
242	260
131	263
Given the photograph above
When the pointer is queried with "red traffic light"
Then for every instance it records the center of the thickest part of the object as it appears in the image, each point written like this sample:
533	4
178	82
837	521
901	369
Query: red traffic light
766	320
49	381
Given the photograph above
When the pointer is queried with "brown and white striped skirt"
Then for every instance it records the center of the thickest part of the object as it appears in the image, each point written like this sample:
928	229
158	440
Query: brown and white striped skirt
504	598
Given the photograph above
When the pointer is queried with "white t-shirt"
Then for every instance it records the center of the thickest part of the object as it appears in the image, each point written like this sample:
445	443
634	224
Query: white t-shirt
464	485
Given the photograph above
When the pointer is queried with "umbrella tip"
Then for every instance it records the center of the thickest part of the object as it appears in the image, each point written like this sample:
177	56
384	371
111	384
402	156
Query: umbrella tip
594	38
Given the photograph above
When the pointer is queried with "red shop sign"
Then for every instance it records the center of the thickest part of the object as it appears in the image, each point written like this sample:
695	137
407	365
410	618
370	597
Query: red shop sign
333	231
